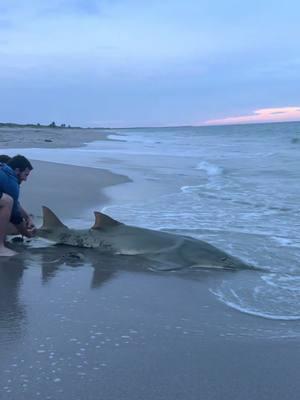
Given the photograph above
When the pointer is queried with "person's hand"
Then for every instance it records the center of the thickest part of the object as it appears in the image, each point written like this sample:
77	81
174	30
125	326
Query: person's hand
29	223
31	232
25	231
30	227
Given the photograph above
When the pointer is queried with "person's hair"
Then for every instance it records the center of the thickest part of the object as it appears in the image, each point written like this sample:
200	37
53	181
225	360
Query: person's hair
20	162
4	158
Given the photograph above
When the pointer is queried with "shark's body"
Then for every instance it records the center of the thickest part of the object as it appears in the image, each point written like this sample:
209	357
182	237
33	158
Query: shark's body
108	235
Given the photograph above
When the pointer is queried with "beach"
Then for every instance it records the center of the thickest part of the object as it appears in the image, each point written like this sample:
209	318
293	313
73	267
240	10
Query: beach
78	324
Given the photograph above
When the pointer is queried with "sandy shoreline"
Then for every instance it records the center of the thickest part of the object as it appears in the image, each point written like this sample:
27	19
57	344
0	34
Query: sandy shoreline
67	189
94	326
50	137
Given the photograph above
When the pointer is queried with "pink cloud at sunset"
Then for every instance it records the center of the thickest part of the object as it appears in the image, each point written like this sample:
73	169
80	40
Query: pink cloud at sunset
280	114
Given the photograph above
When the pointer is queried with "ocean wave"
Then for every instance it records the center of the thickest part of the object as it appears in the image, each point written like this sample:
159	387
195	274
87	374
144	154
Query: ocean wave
210	169
286	242
118	137
256	312
191	189
269	296
286	282
130	138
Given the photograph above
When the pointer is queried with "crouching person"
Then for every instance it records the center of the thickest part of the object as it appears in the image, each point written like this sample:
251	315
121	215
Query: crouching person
12	175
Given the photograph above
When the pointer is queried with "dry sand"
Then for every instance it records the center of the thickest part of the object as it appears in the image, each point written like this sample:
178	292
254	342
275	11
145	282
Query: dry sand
50	137
75	324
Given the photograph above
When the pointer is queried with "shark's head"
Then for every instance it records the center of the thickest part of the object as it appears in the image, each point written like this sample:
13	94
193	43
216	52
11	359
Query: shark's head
52	228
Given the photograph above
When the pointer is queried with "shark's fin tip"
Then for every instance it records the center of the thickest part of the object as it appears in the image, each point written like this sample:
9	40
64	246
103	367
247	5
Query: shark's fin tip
50	220
103	221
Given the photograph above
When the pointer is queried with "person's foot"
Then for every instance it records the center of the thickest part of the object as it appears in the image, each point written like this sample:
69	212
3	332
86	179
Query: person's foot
6	252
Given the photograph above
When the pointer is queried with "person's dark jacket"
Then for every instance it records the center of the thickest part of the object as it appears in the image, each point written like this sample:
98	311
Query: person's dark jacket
9	184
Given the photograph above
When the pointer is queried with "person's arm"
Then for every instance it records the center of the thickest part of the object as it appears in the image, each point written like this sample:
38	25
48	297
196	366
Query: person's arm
19	217
23	222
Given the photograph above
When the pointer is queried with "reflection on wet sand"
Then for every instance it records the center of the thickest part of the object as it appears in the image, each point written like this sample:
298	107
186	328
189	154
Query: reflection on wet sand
12	311
105	266
76	341
50	261
56	258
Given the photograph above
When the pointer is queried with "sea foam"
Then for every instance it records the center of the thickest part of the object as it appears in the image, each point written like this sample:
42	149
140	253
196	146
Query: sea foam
209	168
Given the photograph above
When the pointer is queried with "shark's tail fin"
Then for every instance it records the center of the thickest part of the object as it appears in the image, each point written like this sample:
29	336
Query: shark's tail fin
50	220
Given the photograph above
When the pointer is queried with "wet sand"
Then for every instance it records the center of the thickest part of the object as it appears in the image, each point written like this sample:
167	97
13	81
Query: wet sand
80	325
68	190
109	328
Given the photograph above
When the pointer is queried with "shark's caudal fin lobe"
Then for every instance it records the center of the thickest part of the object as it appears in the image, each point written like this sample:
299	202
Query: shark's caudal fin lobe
50	220
103	221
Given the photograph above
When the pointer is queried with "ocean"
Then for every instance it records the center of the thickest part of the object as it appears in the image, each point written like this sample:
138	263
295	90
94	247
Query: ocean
236	187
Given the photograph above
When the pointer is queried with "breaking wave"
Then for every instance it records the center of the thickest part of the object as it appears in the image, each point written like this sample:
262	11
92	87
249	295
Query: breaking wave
209	168
268	296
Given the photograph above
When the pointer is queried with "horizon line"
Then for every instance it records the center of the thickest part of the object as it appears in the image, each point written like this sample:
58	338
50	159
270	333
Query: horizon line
69	126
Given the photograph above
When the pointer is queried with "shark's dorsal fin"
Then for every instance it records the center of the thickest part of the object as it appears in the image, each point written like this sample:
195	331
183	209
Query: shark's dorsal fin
103	221
50	220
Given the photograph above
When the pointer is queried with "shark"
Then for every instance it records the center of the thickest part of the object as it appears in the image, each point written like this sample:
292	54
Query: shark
111	236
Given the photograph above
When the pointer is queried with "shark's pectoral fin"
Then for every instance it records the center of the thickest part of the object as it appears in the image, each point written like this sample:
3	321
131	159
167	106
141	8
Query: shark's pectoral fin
50	220
103	221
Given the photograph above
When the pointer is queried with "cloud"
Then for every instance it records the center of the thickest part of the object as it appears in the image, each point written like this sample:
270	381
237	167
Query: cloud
180	60
121	40
279	114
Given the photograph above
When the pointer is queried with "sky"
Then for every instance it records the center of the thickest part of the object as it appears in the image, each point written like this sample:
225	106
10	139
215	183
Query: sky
125	63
